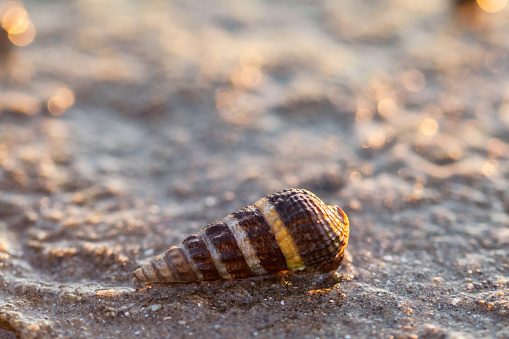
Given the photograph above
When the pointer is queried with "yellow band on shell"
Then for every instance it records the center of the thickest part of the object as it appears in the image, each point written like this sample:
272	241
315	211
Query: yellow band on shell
283	237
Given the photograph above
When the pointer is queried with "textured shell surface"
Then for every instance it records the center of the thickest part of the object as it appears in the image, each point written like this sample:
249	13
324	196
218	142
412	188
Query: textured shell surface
292	230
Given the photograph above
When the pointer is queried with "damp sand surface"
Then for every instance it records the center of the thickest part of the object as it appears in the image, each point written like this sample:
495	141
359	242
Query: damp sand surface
126	126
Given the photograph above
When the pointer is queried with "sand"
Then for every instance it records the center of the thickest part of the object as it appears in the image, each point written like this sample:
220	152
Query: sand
126	126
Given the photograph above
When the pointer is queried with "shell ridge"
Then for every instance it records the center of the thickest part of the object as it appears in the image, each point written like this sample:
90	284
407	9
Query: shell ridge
138	276
296	214
162	267
283	237
337	225
261	238
191	262
149	273
182	266
169	262
223	240
158	274
197	249
329	231
317	215
220	266
244	245
302	211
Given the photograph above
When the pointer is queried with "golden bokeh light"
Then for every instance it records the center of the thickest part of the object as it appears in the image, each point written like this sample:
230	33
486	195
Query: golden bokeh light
492	6
247	77
489	167
24	38
61	101
249	74
428	127
387	107
16	22
378	138
355	176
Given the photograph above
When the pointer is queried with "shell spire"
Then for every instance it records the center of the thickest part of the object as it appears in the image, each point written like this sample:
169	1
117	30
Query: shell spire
289	230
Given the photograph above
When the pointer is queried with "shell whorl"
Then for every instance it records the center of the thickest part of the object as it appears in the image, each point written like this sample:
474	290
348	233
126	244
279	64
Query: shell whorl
289	230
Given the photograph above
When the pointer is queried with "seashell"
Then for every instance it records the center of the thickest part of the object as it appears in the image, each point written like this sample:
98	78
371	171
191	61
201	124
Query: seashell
289	230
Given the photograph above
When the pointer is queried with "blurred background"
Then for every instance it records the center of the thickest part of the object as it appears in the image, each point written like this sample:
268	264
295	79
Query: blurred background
316	93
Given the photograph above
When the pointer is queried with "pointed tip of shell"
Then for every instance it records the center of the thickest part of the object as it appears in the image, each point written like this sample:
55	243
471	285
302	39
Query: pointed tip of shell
139	277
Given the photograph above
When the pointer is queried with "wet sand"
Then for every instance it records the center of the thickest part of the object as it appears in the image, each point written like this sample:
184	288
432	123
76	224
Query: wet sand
126	126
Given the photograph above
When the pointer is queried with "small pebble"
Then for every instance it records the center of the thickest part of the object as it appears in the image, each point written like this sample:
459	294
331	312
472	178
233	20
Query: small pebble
438	280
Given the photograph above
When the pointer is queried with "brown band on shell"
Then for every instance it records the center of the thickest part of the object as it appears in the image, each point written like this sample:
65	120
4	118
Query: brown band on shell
179	265
195	269
162	268
301	212
149	272
220	236
169	262
183	267
159	276
245	245
262	239
200	255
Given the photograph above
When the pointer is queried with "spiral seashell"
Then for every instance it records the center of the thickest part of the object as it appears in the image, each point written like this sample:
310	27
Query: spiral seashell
289	230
